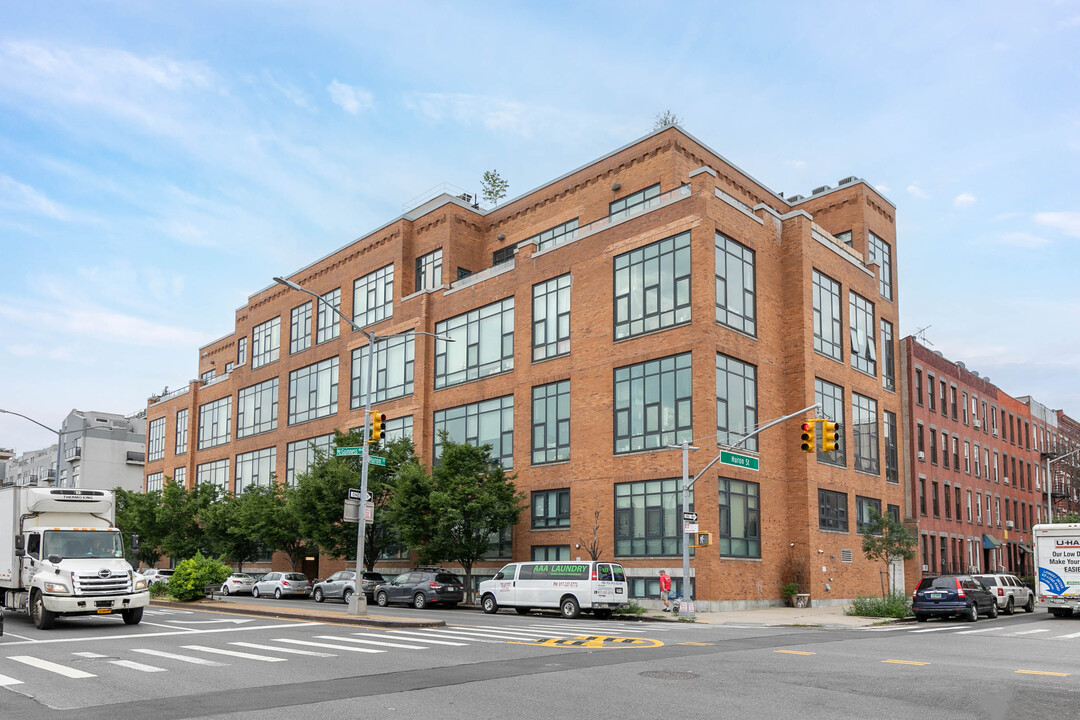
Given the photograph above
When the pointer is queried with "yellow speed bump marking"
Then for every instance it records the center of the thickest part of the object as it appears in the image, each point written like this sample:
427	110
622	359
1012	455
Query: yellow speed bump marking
594	642
905	662
694	643
794	652
1038	672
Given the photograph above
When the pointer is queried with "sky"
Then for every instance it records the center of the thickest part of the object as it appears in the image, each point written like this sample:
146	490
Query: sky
160	162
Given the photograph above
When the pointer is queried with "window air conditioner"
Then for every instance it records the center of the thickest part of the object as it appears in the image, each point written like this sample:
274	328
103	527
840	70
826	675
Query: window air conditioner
922	455
1006	478
976	423
994	432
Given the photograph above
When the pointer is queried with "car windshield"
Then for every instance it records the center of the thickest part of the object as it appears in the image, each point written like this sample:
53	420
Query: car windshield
987	579
83	543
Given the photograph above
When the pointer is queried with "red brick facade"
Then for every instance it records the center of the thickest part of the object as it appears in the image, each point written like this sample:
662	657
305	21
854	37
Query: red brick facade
702	194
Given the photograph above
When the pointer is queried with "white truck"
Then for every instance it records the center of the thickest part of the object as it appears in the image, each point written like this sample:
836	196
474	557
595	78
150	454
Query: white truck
1057	567
60	554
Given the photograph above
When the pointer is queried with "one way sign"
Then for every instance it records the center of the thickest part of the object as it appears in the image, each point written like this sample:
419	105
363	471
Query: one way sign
690	517
354	494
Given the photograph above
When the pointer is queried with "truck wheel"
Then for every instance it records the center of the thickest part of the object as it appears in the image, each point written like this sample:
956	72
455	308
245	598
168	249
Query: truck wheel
570	608
489	605
43	619
133	616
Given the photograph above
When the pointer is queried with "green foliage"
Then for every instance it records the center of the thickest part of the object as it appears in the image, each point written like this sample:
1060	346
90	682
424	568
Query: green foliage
159	589
665	119
1071	517
453	513
893	605
631	609
789	589
885	539
227	524
137	514
272	520
493	187
181	515
190	578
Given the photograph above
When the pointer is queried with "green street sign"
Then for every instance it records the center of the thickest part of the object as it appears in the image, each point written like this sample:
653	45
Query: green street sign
348	451
376	460
744	461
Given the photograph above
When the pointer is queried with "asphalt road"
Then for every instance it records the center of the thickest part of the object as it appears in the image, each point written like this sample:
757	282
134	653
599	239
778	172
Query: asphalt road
181	664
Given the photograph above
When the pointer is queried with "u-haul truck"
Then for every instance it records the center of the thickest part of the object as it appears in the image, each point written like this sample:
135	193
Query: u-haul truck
60	554
1057	567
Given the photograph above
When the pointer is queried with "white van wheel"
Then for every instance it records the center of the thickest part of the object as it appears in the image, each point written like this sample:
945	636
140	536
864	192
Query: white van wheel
489	605
570	608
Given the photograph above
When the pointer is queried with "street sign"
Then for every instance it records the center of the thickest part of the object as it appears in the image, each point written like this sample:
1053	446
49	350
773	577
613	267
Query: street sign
689	517
354	494
347	451
376	460
689	527
369	512
748	462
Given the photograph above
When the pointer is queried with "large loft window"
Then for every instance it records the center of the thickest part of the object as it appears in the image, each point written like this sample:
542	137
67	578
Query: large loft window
181	431
214	419
881	253
830	398
827	324
256	408
653	404
255	469
551	508
551	318
861	318
214	473
429	270
313	391
551	422
265	343
488	422
652	287
155	443
740	528
329	324
736	401
300	329
888	360
300	454
373	296
554	236
648	518
864	433
394	359
483	344
735	285
832	511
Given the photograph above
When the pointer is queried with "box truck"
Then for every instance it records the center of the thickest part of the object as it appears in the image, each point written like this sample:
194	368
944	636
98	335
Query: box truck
1057	567
61	555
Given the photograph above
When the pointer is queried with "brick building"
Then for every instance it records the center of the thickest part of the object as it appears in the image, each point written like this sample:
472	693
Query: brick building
659	294
975	485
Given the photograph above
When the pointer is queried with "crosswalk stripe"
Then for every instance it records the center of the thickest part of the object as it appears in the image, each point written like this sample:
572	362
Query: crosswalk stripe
970	632
1029	632
328	645
885	629
89	655
1065	637
5	681
938	629
51	666
132	665
233	653
599	629
454	636
427	639
509	634
372	642
291	651
181	658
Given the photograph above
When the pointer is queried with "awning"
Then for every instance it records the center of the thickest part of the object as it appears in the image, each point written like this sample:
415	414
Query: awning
1025	547
990	542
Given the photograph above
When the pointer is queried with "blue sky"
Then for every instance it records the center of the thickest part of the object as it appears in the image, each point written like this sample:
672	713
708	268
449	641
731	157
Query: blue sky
159	162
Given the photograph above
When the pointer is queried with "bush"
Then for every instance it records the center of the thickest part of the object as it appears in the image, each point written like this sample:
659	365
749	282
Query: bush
632	609
159	589
189	580
893	605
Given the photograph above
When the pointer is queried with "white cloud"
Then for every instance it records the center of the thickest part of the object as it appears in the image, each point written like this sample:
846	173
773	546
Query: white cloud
351	99
14	195
964	200
1066	222
492	113
1023	240
798	164
882	188
917	191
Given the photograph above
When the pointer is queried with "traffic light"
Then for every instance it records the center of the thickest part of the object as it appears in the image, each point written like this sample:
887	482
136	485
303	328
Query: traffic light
701	540
807	437
378	419
830	436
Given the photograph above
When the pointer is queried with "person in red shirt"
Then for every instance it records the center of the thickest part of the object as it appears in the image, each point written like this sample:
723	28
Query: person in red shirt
665	588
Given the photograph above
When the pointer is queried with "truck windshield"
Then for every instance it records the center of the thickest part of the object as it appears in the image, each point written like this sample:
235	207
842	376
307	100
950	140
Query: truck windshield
82	543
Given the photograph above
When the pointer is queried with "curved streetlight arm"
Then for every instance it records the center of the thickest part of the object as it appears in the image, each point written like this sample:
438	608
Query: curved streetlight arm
24	417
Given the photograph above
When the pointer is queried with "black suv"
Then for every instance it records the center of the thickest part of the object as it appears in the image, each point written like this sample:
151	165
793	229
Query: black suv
421	587
948	595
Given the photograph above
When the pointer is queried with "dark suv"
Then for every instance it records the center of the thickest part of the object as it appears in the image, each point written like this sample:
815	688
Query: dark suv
421	587
948	595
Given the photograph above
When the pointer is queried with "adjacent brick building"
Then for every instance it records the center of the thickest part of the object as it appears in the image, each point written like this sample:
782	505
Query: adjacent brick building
658	294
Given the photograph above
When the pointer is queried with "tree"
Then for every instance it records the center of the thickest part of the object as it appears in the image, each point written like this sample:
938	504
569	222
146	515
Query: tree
323	488
493	187
1072	517
273	519
227	523
452	513
592	547
181	516
665	119
886	539
136	514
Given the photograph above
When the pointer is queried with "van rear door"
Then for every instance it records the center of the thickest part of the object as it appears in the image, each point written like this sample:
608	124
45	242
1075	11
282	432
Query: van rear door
604	587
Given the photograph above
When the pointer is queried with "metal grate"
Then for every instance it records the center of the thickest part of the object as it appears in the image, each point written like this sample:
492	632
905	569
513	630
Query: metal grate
114	584
845	555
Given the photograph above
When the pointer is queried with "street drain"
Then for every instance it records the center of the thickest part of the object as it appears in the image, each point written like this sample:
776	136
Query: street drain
668	675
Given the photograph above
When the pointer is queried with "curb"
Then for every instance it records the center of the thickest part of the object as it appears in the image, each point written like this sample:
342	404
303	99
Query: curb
335	618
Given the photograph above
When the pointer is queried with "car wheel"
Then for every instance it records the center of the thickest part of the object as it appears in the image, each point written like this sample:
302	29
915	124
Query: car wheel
277	593
419	601
317	595
381	600
522	611
1030	607
224	589
489	605
994	610
1009	609
570	608
973	612
254	592
921	618
346	595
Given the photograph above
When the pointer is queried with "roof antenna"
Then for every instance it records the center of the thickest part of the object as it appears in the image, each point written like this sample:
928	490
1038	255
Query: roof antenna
920	334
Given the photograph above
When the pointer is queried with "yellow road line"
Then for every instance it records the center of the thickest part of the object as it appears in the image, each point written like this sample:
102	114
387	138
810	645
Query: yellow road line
905	662
794	652
1037	672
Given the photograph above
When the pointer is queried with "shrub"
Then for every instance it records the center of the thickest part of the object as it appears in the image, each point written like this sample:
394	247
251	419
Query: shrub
189	580
159	589
632	609
893	605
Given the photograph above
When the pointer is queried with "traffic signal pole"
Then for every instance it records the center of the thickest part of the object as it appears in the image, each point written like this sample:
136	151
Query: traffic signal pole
688	483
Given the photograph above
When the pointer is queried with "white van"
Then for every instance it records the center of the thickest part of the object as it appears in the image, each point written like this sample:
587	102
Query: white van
598	587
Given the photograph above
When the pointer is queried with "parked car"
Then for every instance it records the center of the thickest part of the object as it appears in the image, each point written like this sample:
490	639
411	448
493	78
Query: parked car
237	583
368	583
1010	592
282	584
949	595
421	587
341	585
156	575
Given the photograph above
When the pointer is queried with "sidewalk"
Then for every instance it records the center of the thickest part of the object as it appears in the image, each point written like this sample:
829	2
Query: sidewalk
825	616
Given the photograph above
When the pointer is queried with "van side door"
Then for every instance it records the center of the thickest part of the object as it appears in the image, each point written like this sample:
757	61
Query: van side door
506	591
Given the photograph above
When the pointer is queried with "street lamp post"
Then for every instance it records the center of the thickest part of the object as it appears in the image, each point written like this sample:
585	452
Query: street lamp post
59	435
358	601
